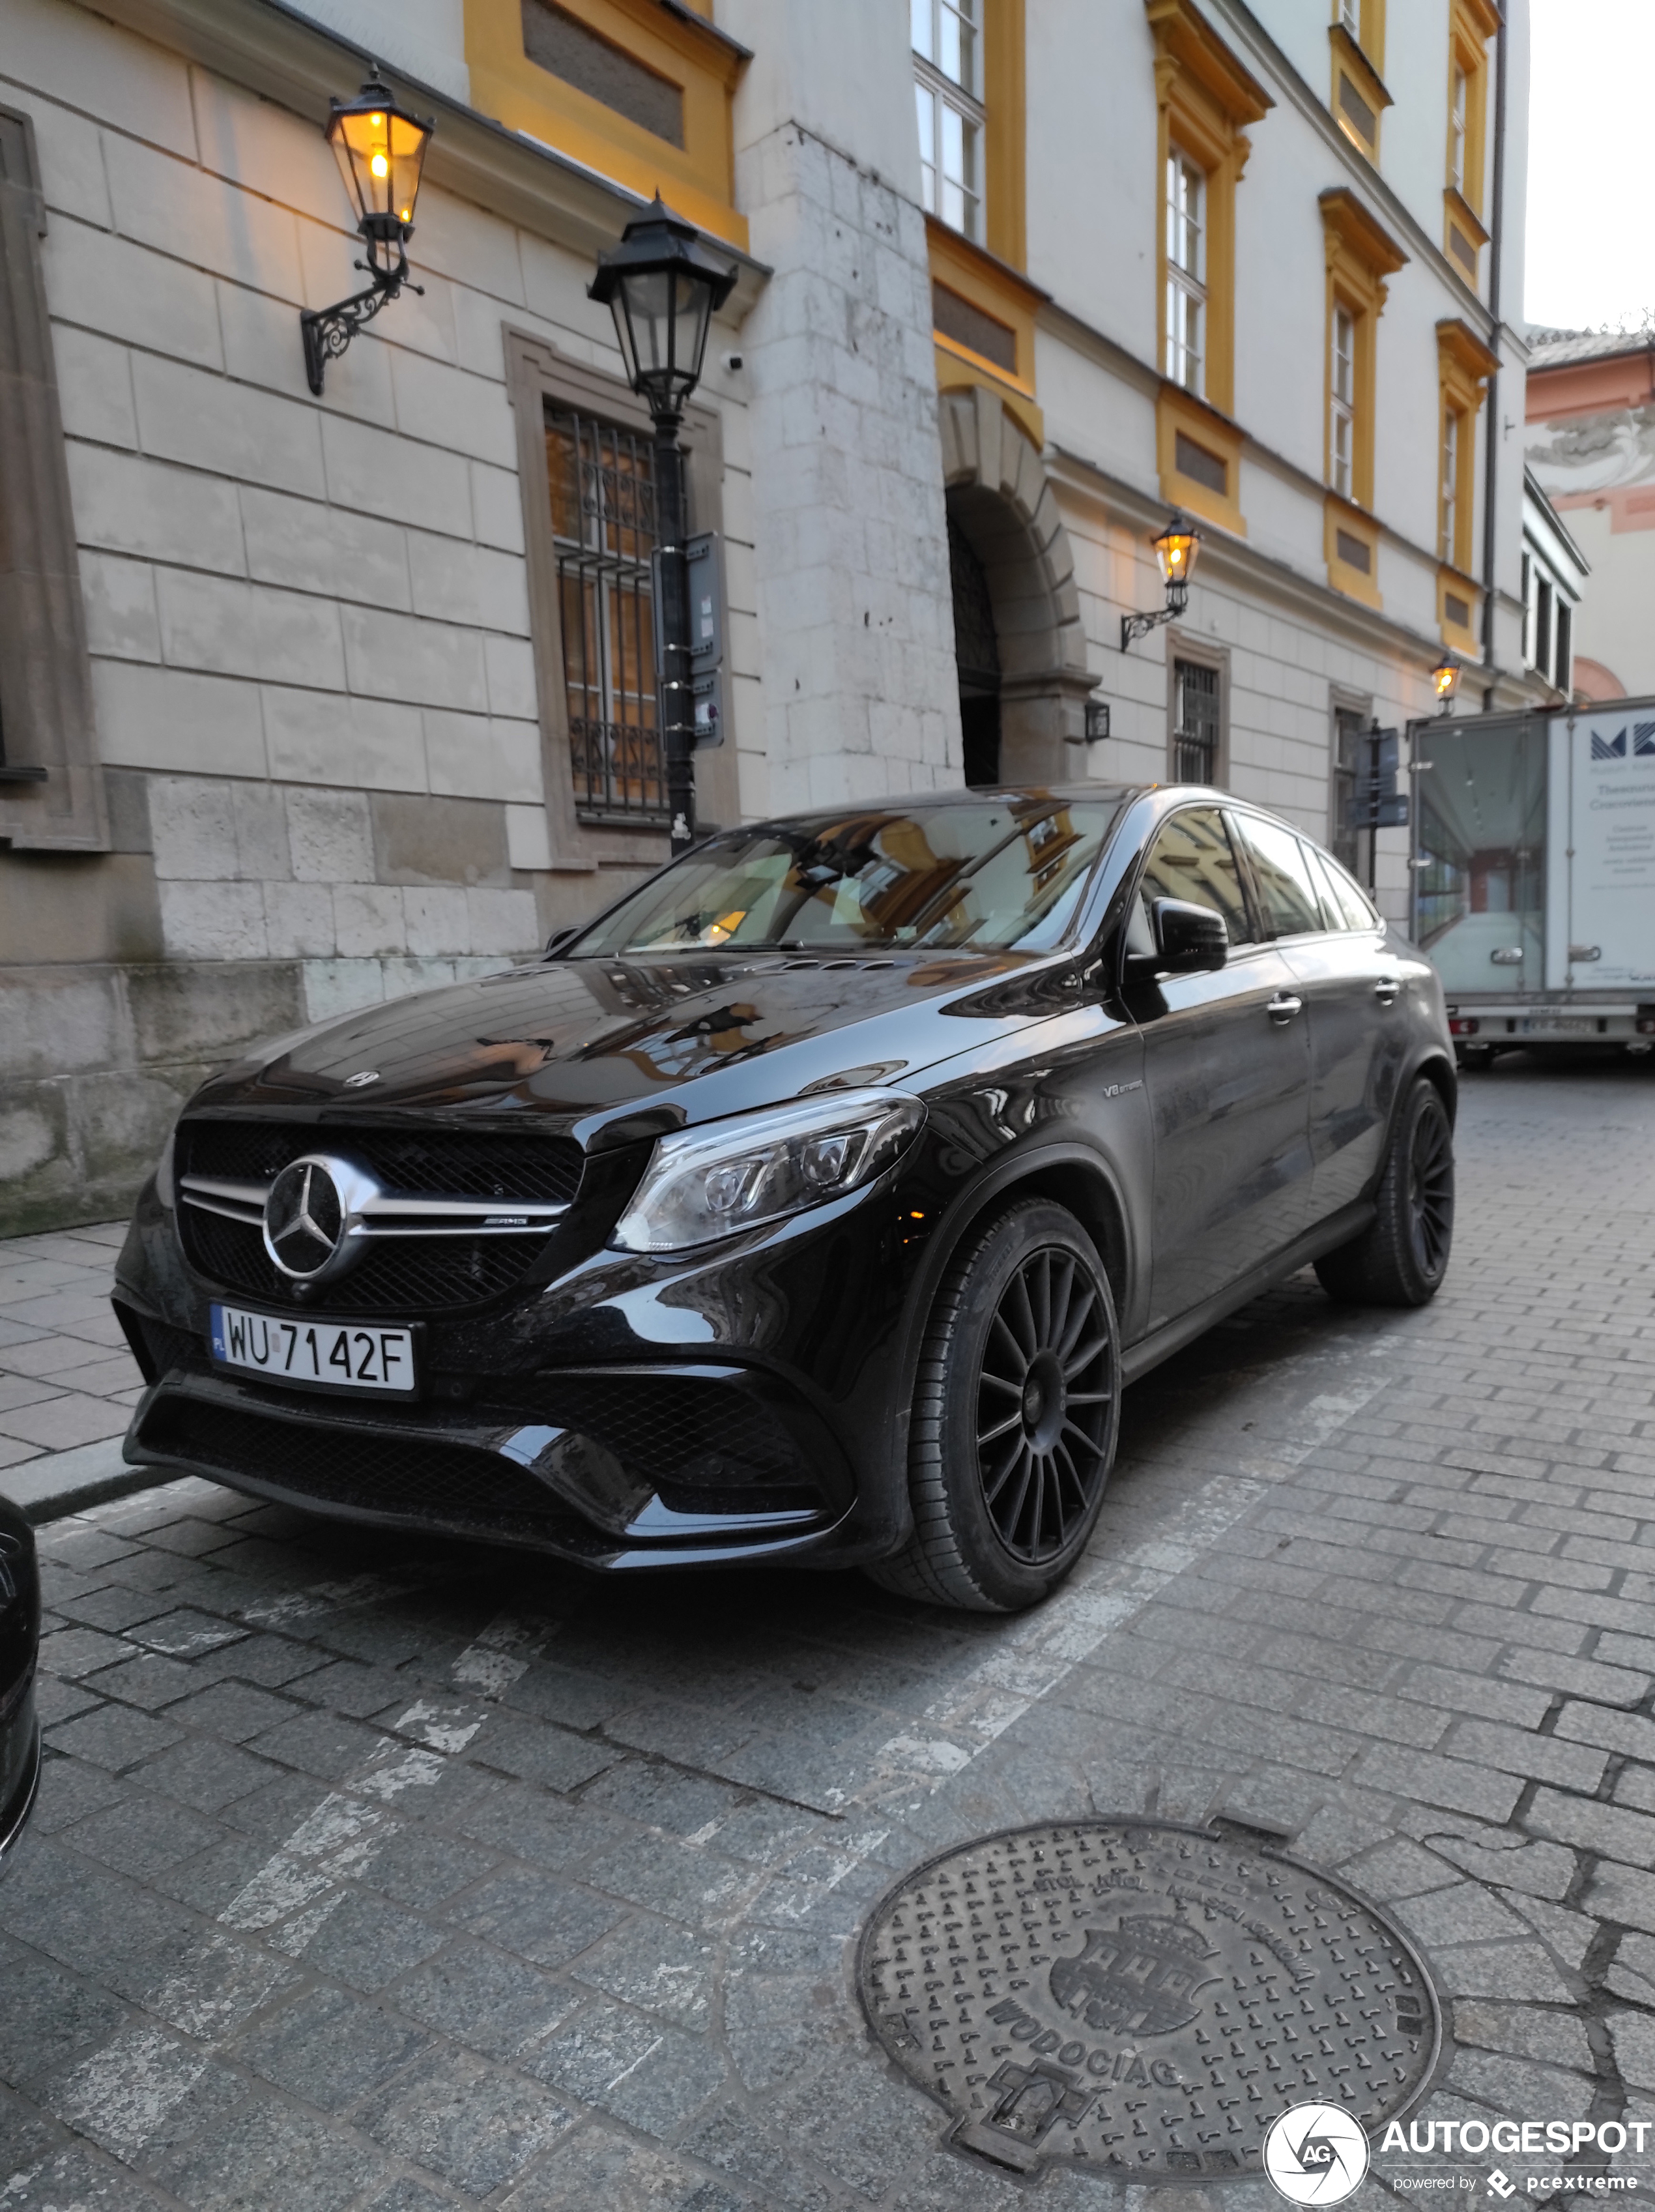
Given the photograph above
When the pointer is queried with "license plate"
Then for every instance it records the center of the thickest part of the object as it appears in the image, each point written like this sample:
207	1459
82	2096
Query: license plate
1559	1025
327	1355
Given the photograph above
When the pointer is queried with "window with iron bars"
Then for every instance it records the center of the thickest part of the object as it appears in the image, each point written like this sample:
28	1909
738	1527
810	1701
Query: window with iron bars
1195	740
603	492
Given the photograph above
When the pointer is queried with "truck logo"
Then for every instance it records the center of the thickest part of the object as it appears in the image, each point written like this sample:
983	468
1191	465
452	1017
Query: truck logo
1613	748
1643	738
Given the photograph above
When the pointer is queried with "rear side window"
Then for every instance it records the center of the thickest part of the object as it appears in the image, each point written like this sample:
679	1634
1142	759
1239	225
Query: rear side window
1286	890
1346	907
1191	859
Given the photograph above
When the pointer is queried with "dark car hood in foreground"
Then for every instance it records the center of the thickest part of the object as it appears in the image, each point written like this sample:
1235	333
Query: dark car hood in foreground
584	1041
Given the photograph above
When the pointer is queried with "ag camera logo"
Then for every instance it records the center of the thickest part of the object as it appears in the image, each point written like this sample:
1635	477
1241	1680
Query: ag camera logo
1316	2153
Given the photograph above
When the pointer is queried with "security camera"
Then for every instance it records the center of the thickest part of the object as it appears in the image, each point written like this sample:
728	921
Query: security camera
733	361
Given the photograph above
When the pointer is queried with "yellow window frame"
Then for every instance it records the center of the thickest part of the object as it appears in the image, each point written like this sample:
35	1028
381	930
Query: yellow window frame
1204	97
1359	254
1464	363
682	46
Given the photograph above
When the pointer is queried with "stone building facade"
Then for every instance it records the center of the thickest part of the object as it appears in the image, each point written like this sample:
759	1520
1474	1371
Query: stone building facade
307	701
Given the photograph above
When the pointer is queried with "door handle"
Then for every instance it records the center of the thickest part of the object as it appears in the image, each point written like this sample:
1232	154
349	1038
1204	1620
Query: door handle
1386	990
1281	1009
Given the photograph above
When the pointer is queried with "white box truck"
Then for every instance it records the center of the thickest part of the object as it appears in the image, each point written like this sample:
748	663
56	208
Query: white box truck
1534	876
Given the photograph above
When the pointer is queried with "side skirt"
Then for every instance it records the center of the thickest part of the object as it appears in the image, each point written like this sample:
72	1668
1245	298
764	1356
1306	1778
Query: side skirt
1326	1237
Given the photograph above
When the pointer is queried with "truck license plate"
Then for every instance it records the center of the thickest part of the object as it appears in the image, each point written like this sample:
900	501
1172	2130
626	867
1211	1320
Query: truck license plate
1559	1025
318	1354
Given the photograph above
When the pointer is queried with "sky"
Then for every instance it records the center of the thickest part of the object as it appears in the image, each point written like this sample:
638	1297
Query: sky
1591	255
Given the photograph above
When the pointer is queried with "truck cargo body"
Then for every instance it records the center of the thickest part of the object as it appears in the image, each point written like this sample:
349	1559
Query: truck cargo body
1534	876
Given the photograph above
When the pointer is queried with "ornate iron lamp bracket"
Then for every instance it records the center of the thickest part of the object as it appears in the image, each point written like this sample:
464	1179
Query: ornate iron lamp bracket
328	331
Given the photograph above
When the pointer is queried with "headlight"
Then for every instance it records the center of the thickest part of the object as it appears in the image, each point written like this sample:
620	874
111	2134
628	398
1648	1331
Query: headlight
708	1184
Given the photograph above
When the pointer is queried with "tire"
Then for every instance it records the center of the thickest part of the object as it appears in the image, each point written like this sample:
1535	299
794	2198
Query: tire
1017	1406
1401	1259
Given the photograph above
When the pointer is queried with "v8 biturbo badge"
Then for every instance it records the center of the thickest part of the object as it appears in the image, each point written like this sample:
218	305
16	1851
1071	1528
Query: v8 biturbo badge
1142	1998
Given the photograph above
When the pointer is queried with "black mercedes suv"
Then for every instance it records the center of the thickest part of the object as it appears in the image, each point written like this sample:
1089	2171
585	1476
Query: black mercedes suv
813	1204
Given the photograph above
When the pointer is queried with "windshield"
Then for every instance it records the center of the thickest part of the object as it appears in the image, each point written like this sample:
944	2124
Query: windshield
1007	874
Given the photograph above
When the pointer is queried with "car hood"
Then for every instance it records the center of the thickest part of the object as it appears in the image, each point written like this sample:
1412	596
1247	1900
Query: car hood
590	1042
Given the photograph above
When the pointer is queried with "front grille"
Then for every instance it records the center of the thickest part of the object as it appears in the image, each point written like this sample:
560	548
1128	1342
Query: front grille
413	1163
441	1486
399	1275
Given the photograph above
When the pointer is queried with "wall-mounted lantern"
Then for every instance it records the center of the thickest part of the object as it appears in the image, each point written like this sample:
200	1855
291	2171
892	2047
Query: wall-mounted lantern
1177	549
1445	681
663	284
381	150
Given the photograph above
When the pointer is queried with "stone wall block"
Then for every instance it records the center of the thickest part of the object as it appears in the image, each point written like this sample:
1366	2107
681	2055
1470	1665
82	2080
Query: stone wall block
497	507
426	663
299	921
245	235
454	582
261	832
69	151
166	717
248	140
307	547
58	1021
203	1013
233	629
443	840
33	1139
452	408
119	598
226	427
94	386
330	836
339	987
438	921
141	506
192	829
103	72
403	976
473	758
110	284
503	921
367	920
318	737
213	921
379	473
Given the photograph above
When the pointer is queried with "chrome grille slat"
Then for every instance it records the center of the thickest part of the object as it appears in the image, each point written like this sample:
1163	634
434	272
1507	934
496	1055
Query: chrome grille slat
390	1216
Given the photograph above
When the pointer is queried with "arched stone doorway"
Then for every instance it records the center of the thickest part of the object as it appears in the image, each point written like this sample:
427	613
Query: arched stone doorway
1022	704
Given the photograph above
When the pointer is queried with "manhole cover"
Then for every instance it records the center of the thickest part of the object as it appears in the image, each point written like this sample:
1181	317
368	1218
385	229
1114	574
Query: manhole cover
1142	1997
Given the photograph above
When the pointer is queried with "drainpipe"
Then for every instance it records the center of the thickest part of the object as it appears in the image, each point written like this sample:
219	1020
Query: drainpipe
1490	541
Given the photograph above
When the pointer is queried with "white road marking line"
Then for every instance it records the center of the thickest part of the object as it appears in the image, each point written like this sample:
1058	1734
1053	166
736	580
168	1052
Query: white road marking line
502	1654
991	1695
123	2092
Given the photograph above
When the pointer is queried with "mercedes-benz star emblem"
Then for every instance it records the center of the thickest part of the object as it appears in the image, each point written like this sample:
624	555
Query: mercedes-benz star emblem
362	1077
304	1218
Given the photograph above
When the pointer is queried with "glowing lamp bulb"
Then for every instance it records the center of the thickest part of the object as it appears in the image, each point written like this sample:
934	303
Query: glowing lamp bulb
379	166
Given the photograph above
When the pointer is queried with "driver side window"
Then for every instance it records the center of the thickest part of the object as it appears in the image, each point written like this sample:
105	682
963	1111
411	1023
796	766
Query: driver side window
1191	859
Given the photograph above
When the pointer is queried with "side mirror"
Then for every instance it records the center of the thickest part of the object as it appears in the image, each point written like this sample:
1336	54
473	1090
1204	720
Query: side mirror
1190	940
559	939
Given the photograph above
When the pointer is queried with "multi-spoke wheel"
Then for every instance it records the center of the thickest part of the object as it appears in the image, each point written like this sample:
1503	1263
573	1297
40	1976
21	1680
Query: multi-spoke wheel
1402	1258
1016	1409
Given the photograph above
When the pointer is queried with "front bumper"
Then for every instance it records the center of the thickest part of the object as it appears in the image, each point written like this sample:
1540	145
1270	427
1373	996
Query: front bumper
628	1414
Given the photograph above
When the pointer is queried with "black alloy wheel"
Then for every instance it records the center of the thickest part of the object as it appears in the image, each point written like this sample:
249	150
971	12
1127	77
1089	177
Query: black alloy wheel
1016	1406
1431	1191
1401	1259
1044	1405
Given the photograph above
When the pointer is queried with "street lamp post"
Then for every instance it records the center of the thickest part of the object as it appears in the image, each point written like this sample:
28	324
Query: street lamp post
381	150
663	284
1177	549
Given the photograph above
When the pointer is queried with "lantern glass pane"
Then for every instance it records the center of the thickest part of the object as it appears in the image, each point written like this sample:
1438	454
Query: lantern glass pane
693	317
408	144
648	296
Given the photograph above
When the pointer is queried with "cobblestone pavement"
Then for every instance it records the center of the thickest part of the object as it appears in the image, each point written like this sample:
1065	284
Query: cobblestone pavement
379	1873
66	1376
